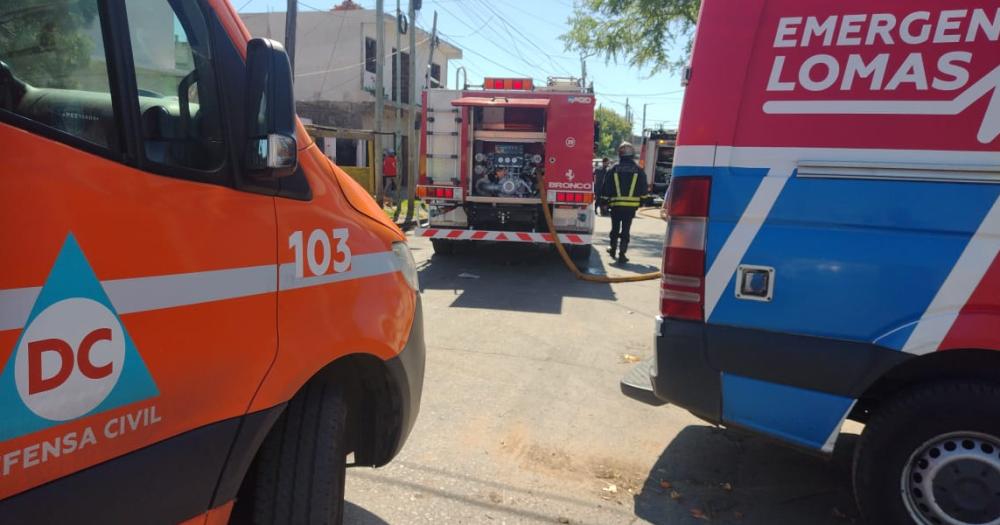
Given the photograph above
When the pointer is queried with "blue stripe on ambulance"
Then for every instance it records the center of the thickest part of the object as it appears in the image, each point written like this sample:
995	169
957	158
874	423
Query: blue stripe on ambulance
727	204
830	241
797	415
822	236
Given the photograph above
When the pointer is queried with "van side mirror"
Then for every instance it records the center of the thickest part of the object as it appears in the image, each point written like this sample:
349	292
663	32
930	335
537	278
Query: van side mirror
597	135
271	151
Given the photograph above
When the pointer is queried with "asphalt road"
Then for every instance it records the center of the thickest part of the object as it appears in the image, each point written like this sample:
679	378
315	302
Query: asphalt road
522	420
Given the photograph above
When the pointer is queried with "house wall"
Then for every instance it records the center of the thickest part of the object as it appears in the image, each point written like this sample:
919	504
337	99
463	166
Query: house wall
330	52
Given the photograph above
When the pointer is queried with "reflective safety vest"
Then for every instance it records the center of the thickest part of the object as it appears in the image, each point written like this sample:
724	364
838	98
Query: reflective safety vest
626	201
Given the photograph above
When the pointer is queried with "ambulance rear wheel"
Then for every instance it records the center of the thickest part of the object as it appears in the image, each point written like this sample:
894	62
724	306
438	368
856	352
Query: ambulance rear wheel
302	462
443	246
931	456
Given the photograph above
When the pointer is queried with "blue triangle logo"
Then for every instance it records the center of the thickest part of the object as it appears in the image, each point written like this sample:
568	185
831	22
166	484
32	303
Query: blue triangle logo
74	357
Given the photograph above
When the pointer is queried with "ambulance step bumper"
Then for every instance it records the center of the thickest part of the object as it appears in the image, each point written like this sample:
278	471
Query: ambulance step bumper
637	383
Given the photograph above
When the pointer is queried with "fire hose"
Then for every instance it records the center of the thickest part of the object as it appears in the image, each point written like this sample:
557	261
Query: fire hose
569	262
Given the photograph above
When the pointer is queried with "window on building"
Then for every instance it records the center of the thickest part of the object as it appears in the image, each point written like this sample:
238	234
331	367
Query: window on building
404	64
435	75
53	69
370	51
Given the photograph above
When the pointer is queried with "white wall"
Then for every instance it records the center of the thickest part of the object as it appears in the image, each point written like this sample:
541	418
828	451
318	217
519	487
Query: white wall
329	51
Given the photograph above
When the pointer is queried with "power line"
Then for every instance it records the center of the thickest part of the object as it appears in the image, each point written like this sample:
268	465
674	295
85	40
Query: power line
646	95
475	32
501	48
508	28
534	17
488	59
341	68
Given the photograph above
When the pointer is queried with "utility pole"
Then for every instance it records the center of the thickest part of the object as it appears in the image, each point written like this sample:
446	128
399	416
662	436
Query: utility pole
379	99
430	53
291	14
427	84
411	176
583	71
643	130
397	89
628	111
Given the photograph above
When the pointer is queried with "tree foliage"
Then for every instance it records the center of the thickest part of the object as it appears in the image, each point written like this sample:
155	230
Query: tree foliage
639	32
47	42
614	129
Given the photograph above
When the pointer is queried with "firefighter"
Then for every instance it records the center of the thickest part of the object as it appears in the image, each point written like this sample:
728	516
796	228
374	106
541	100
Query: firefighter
599	175
388	172
624	190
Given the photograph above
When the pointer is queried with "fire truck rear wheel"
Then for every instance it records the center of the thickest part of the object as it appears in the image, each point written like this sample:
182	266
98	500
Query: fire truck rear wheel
302	462
580	253
443	246
931	456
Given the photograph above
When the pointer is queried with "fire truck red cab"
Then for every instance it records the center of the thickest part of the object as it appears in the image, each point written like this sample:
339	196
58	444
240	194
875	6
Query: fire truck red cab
486	153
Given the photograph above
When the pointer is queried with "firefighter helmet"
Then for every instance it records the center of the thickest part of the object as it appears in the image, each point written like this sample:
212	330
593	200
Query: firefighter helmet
626	150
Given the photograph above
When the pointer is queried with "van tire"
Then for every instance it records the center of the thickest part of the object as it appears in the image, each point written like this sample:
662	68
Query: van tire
443	246
302	462
915	420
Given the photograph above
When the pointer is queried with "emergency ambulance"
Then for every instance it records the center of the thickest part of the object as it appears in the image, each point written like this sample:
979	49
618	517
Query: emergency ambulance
831	248
201	317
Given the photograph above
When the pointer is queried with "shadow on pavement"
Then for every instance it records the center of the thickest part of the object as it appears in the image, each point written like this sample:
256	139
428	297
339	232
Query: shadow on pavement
642	243
356	515
508	276
644	246
731	477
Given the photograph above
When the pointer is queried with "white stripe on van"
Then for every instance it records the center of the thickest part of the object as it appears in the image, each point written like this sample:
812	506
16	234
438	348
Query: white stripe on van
771	157
142	294
965	276
742	236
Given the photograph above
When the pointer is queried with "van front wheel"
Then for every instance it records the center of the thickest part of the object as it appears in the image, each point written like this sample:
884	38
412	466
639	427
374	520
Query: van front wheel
302	462
931	455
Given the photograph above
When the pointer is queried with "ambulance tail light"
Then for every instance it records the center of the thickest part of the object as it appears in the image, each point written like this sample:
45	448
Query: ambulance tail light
682	287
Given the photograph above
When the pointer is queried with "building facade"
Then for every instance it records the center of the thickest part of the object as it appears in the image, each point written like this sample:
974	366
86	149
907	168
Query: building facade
335	56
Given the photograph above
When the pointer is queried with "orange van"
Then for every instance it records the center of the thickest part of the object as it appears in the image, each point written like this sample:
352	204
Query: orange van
201	317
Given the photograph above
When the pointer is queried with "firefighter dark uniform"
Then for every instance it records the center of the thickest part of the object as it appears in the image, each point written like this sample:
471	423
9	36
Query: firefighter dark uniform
624	190
600	173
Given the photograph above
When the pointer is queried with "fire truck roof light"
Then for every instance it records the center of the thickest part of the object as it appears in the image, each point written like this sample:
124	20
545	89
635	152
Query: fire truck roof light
521	84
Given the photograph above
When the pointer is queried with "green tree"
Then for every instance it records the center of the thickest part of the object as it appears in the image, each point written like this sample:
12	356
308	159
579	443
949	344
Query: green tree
47	42
614	129
638	32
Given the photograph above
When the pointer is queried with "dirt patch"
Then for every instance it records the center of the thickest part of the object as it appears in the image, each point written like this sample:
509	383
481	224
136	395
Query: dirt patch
606	478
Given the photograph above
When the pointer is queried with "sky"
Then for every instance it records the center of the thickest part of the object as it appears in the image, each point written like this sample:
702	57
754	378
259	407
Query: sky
488	50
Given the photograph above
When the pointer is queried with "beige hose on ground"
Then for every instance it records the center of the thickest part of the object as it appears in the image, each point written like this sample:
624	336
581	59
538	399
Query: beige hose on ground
569	262
652	213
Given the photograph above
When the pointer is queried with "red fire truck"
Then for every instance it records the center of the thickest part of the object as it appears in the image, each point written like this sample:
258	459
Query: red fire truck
657	158
486	152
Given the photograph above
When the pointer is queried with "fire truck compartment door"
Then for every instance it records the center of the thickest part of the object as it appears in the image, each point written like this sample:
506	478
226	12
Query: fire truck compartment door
502	102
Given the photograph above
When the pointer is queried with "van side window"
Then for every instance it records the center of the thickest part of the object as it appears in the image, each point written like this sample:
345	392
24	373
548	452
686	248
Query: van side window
53	69
178	100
